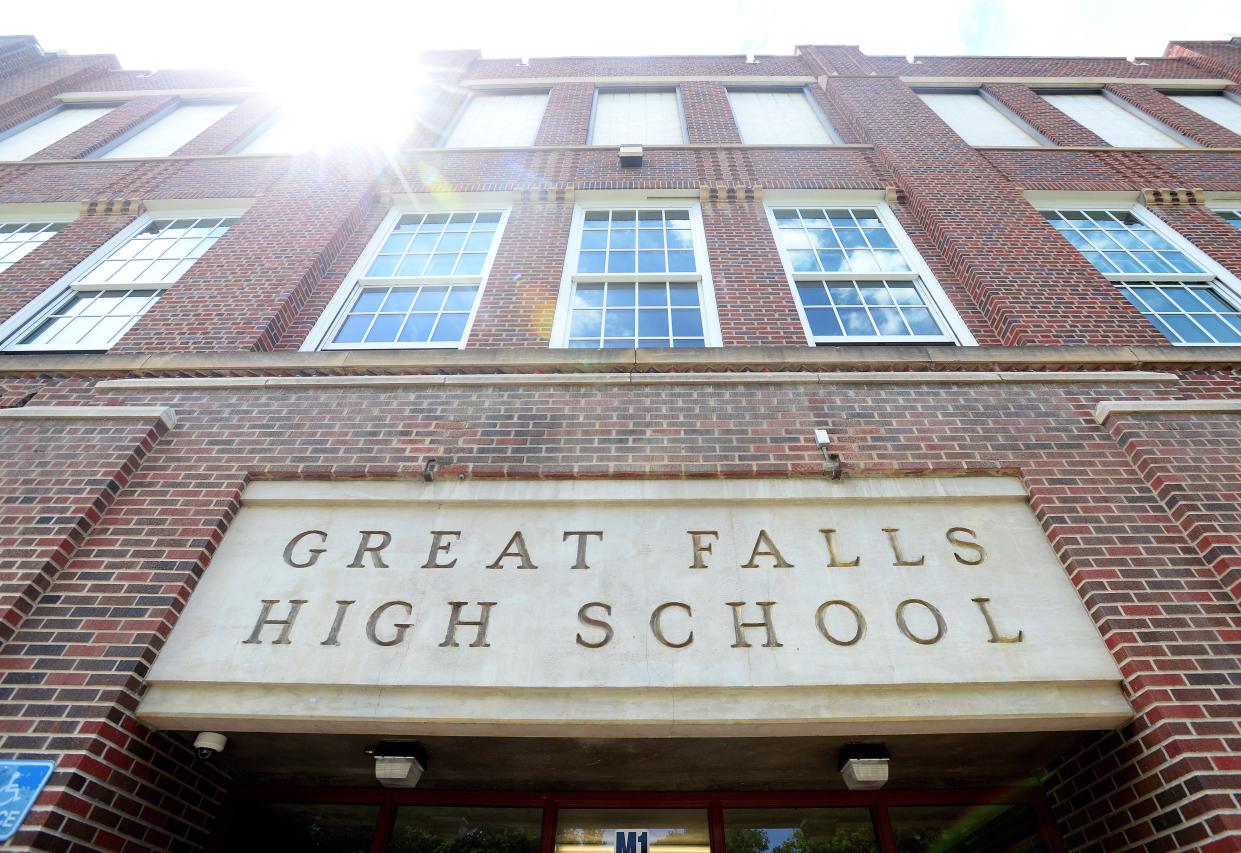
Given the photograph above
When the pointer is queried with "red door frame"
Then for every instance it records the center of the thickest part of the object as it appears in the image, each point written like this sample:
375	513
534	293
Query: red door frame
714	802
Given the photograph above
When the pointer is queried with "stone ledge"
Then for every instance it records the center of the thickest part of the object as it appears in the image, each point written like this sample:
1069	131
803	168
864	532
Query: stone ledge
1115	408
45	413
680	378
538	360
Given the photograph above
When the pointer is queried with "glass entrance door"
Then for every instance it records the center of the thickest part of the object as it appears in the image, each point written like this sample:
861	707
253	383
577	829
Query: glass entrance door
412	821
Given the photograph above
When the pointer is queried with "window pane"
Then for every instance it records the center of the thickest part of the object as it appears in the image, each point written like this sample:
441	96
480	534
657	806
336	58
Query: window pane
1129	245
35	137
844	830
90	320
594	830
171	131
1114	123
641	118
498	121
307	828
966	829
662	237
436	244
977	120
881	316
1185	313
777	118
436	314
435	829
20	239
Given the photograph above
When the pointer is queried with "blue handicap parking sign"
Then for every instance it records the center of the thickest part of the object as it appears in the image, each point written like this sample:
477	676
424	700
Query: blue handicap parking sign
20	784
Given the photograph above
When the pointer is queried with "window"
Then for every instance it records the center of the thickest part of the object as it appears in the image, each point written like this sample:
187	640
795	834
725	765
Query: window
19	239
778	118
419	287
977	120
282	135
640	117
112	293
1172	288
1219	108
635	278
32	137
1115	123
854	283
169	131
498	121
1233	216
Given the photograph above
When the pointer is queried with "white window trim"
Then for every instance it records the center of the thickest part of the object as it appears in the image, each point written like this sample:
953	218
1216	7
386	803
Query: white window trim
13	328
569	276
608	90
1229	283
1166	130
937	300
477	94
334	314
828	127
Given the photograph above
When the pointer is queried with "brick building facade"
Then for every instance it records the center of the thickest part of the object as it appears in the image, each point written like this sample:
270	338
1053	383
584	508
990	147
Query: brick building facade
188	331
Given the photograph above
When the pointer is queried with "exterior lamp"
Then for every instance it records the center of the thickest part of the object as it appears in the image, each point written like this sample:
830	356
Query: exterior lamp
398	764
863	766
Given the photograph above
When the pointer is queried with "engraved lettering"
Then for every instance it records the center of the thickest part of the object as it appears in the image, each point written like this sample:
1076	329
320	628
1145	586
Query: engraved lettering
333	636
295	605
455	620
376	551
898	555
401	627
954	538
859	621
312	552
438	545
592	622
658	630
941	627
700	547
581	545
765	547
516	547
834	561
996	636
739	626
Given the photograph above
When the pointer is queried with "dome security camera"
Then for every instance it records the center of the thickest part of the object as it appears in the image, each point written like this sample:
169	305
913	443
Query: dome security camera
207	744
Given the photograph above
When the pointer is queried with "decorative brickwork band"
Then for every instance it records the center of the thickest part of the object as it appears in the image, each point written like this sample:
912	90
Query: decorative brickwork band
545	195
1173	197
730	193
112	207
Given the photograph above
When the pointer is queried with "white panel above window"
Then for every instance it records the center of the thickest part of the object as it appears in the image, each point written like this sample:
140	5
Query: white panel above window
168	133
1115	124
1220	109
285	135
777	118
499	121
642	118
977	120
35	137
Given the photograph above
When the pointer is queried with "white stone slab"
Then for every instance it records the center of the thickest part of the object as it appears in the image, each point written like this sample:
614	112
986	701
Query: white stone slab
540	672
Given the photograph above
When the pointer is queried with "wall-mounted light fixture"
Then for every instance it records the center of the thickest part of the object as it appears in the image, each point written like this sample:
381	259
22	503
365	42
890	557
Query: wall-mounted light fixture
398	764
631	155
863	766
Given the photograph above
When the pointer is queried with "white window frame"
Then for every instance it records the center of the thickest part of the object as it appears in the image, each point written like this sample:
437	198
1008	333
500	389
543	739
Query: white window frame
473	96
1172	133
62	214
1219	204
1040	140
334	315
1229	284
829	129
940	305
35	310
570	278
611	90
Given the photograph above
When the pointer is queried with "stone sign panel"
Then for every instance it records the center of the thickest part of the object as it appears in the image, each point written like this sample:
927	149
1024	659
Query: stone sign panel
651	607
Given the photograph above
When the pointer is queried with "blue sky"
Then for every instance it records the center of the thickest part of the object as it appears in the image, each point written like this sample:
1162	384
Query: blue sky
262	37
